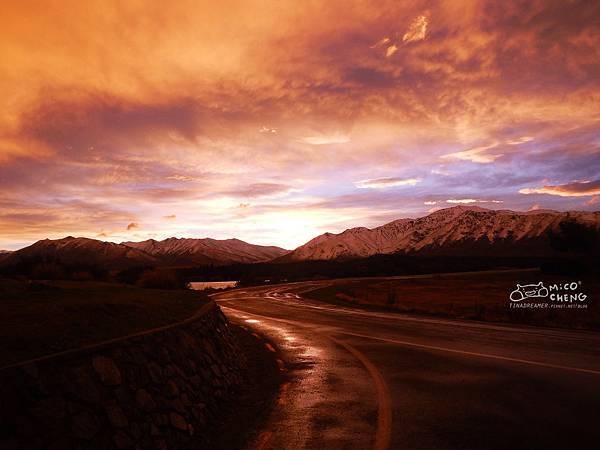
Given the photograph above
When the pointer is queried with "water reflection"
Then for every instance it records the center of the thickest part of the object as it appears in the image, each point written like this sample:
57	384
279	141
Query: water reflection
202	285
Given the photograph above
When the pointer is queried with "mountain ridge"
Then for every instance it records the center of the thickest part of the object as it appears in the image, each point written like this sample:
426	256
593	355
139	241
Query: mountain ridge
456	231
85	252
469	229
71	251
207	250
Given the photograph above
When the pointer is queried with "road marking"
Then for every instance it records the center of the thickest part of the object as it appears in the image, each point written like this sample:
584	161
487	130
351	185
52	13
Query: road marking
466	352
433	347
393	316
384	406
398	316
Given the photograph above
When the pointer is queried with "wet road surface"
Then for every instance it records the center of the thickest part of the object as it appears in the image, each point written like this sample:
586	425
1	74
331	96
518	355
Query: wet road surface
375	380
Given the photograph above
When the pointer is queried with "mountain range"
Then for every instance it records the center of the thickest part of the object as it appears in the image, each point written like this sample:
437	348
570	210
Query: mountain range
176	251
460	230
83	252
71	251
457	231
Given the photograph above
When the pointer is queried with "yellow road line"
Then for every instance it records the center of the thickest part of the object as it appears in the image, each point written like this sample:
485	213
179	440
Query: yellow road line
384	406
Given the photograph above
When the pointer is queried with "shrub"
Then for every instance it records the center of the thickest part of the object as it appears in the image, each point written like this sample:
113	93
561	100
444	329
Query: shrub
161	279
48	271
573	236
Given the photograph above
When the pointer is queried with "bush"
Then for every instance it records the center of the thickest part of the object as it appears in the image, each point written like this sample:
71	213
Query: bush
161	279
573	236
48	271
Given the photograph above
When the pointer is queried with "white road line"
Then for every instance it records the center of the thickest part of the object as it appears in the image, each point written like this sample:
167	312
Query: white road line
477	354
398	316
433	347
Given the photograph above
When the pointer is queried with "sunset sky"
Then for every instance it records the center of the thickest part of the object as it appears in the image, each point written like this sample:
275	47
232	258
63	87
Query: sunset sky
275	121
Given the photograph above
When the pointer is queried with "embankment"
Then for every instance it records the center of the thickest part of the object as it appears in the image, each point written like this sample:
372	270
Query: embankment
163	388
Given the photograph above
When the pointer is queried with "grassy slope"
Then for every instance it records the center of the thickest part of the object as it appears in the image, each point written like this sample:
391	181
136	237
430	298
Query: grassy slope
467	296
38	319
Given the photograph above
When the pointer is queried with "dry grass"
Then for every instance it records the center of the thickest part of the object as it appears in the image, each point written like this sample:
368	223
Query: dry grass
41	318
466	296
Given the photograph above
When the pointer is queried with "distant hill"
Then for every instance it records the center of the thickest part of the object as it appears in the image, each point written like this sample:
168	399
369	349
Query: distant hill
457	231
72	254
174	251
4	254
90	257
447	234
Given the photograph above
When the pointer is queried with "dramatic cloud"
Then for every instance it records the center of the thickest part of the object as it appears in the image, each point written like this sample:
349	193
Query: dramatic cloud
132	226
264	129
254	119
381	42
325	139
390	51
576	189
417	31
477	154
593	201
379	183
519	141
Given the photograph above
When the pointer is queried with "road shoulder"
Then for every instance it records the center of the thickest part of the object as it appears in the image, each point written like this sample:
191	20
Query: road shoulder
248	414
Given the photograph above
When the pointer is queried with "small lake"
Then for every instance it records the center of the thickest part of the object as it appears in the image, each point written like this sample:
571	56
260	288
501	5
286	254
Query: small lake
201	285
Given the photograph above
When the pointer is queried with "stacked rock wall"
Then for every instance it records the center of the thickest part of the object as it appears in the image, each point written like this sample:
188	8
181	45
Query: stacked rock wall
162	389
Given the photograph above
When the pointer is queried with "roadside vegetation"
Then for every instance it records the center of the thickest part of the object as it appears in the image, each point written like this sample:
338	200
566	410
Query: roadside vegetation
474	296
381	266
43	317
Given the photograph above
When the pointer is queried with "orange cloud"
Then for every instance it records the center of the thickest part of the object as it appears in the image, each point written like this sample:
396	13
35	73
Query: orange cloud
477	154
193	107
417	31
575	189
390	50
593	201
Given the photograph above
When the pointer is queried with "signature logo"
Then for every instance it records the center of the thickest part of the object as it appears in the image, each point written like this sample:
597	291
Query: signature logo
556	295
529	291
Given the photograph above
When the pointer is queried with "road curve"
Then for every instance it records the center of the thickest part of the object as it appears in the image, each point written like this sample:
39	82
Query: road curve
375	380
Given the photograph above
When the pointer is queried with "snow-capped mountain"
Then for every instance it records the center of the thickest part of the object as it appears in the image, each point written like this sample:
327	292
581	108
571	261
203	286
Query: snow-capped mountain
206	251
459	230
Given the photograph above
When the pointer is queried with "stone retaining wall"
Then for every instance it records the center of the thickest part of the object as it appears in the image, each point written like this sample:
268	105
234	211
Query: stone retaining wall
161	389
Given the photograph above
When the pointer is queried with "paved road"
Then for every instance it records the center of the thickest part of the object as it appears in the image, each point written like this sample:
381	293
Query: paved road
372	380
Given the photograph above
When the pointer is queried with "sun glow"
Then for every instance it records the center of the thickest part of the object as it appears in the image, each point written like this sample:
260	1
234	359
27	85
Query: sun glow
205	119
